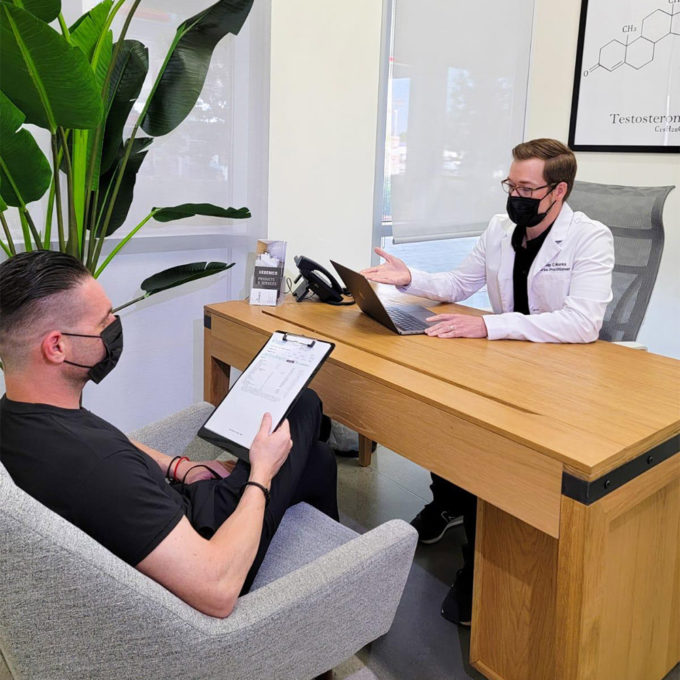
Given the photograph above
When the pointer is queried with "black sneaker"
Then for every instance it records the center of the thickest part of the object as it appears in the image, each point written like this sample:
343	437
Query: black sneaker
432	523
457	605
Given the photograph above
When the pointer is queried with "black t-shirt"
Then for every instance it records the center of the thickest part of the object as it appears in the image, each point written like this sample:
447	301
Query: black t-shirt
524	257
89	472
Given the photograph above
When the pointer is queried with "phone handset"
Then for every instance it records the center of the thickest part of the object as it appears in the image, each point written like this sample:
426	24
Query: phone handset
318	280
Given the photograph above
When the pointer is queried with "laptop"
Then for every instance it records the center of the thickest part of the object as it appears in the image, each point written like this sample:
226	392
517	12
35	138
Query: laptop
402	319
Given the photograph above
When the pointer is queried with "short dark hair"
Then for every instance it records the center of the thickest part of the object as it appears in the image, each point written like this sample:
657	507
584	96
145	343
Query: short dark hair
26	280
560	162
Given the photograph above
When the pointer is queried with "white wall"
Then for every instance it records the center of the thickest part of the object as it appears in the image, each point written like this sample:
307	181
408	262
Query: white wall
325	58
552	73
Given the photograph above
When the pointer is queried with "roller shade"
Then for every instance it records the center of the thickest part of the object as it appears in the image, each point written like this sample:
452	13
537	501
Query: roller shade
457	99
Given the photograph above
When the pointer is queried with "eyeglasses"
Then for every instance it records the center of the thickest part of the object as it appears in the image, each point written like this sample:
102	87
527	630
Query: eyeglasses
524	192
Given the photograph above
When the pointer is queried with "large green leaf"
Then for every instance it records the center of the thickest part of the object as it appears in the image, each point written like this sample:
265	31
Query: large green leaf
48	79
90	35
179	212
176	276
47	10
24	171
87	33
129	72
184	74
127	186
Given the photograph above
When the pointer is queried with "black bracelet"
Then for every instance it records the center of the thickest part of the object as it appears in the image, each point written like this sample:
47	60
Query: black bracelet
209	469
167	472
265	491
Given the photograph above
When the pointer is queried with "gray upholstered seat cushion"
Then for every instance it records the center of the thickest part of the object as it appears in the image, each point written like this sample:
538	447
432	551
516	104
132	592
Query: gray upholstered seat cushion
304	535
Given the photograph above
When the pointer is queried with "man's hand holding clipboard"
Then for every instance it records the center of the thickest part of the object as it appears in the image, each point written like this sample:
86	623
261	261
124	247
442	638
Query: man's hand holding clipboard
269	450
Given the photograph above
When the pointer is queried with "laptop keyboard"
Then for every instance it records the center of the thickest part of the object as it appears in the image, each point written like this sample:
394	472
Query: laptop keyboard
404	320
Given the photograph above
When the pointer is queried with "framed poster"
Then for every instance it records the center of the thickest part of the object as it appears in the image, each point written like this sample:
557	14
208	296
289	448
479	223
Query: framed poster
626	93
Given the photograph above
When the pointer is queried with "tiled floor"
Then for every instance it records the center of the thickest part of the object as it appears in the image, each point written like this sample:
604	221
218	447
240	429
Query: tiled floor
421	645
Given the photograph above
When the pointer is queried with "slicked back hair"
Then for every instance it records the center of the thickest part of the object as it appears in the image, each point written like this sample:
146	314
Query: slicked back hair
560	162
32	288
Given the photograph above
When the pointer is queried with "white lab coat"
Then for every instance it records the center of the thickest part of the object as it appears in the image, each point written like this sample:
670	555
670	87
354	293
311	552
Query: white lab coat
568	286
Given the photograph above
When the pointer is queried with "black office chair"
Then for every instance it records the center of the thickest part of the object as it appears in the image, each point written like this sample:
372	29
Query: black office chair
635	216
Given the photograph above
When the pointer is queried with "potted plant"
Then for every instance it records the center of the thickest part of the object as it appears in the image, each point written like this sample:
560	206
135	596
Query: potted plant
80	84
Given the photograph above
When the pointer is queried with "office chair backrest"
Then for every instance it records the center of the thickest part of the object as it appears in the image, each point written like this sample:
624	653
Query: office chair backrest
635	216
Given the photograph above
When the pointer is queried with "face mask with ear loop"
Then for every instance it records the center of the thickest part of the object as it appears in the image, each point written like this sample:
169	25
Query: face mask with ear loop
112	337
523	211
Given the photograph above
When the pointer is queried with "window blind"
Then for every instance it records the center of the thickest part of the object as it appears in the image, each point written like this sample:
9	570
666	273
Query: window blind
457	95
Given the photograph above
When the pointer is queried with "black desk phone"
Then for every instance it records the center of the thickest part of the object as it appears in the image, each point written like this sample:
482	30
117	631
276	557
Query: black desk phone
317	280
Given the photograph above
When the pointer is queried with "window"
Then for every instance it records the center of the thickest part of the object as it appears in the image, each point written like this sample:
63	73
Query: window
218	154
456	97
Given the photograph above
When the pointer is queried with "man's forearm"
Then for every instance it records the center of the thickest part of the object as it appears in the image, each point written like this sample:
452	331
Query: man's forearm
239	539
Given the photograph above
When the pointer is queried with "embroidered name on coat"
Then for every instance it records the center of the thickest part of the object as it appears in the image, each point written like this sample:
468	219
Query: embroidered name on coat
556	267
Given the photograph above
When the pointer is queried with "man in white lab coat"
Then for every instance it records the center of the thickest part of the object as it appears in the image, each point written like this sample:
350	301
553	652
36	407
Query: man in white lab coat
548	273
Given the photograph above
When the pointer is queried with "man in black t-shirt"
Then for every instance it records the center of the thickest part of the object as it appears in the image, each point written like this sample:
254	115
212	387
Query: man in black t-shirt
204	534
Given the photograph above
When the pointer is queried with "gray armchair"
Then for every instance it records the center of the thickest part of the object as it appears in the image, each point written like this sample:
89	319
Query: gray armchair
635	216
69	609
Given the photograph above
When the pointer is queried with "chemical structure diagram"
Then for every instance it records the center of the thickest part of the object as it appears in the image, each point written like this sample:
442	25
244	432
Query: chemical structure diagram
639	51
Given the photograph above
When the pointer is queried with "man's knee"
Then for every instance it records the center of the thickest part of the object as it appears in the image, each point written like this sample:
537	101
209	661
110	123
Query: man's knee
308	406
308	401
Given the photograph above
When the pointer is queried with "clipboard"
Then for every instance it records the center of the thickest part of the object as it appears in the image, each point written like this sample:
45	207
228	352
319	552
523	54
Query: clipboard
272	382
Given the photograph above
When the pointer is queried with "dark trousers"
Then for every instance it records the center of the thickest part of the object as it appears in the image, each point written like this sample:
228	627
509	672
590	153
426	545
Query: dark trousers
309	474
447	496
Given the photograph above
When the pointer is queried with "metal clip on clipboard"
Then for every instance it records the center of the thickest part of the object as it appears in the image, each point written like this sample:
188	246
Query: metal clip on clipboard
287	337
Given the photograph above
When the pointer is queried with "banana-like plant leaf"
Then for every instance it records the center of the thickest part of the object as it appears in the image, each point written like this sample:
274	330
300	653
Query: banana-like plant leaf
176	276
127	79
47	10
86	34
97	46
184	74
86	31
127	186
3	205
25	173
178	212
33	61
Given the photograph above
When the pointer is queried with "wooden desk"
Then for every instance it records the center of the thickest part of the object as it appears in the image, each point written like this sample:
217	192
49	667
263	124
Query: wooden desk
573	451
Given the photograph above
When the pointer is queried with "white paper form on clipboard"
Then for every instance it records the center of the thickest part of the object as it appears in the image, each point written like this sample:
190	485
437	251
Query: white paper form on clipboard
272	382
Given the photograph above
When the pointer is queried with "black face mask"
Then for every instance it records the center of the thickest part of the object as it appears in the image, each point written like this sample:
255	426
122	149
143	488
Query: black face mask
112	337
524	211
